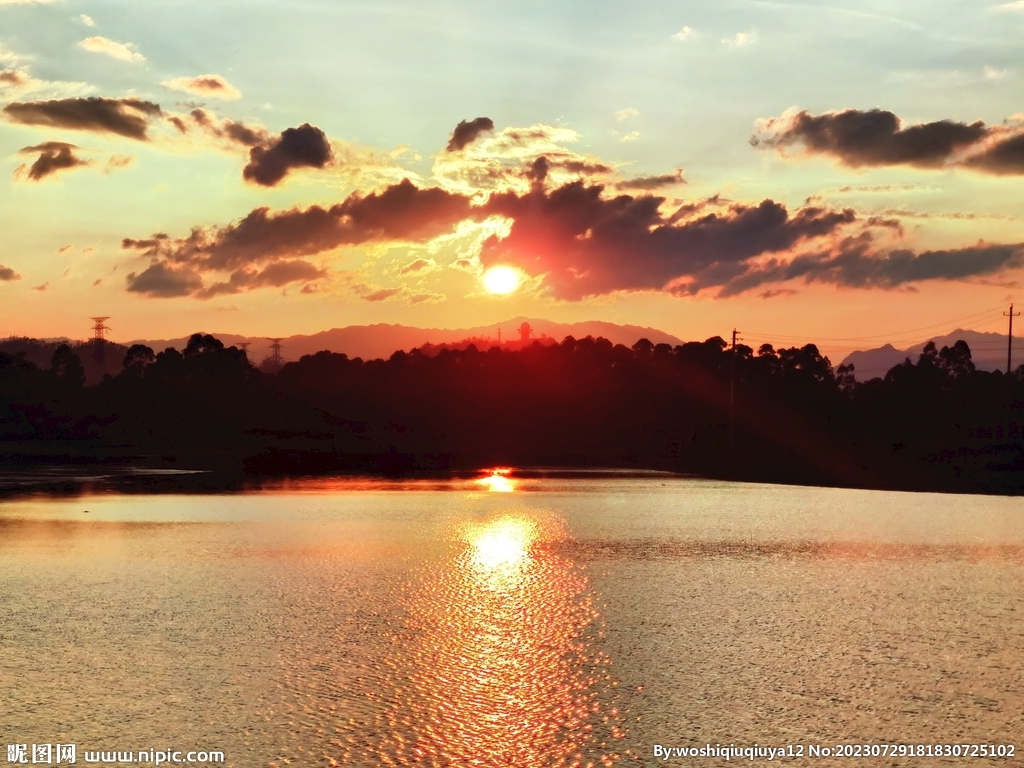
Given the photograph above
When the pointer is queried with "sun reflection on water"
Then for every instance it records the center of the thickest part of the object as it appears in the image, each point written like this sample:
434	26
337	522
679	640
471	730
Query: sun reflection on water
503	670
498	481
502	543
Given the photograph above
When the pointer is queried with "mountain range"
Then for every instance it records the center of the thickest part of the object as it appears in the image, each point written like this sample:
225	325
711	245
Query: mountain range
381	340
988	351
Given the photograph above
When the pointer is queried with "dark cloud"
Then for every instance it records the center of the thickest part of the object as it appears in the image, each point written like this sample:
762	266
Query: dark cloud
589	245
125	117
163	281
401	212
1004	157
538	171
584	241
648	183
381	295
12	77
303	147
878	138
240	133
54	156
214	86
7	274
465	132
277	274
857	264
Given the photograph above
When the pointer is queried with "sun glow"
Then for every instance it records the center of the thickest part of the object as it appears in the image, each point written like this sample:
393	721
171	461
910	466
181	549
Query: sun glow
501	280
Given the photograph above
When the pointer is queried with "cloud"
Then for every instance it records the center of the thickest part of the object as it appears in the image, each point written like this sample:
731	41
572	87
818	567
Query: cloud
54	156
229	130
427	297
209	86
112	48
163	281
878	138
399	213
25	2
19	81
991	73
13	77
741	39
116	162
1017	5
625	114
465	133
303	147
855	264
631	136
277	274
417	265
381	295
686	33
127	117
503	160
587	244
882	188
7	274
8	56
653	182
41	288
87	20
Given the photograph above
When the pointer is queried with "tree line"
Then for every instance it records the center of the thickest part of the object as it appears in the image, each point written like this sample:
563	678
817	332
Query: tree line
699	407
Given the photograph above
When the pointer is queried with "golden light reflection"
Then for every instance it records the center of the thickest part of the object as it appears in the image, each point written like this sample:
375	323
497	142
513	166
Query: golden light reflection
498	481
505	668
502	543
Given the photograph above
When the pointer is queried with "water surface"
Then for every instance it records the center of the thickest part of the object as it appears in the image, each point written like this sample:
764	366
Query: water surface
510	622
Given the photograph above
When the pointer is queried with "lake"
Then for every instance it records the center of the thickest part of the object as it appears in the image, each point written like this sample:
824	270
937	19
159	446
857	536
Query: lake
499	621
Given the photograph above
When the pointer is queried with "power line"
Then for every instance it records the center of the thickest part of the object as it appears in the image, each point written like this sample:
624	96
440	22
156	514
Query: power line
886	336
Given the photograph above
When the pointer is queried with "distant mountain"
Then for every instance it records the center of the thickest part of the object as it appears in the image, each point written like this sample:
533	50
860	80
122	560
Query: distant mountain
381	340
988	351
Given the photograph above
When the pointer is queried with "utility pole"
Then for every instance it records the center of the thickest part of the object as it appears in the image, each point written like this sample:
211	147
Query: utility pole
1009	379
732	394
1009	337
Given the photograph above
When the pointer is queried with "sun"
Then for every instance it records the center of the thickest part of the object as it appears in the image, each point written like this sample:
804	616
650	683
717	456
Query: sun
501	280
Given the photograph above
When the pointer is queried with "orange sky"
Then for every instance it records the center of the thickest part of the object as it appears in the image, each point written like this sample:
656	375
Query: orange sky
837	174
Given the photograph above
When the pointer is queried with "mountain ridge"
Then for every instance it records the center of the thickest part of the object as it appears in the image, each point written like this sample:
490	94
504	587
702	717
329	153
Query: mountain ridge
988	351
381	340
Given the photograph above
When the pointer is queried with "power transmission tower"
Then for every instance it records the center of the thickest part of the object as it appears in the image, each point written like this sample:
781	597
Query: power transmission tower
732	392
275	360
99	342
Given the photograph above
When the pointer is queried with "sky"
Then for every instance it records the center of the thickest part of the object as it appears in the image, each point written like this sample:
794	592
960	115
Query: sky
847	174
